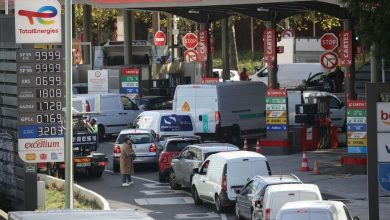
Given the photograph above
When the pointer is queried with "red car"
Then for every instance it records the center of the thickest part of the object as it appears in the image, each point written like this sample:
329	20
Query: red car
171	147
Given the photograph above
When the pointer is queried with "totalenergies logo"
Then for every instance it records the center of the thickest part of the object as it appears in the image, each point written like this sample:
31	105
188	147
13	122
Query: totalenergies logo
43	12
385	118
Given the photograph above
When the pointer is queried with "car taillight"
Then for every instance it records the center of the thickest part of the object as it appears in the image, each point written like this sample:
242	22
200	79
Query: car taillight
152	148
117	149
87	106
267	214
163	158
224	183
217	120
102	164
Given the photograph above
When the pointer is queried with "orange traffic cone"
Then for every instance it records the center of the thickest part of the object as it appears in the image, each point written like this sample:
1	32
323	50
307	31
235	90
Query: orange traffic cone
245	144
258	148
304	166
316	171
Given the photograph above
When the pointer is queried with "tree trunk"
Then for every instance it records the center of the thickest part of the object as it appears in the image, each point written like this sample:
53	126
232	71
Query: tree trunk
233	58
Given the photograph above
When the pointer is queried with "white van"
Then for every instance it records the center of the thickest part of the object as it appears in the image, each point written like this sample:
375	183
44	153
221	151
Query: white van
166	123
315	210
224	111
221	174
113	111
275	196
289	75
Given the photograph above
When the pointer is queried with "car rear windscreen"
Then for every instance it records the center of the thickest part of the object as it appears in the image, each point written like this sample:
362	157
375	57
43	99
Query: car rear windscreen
171	123
137	138
173	146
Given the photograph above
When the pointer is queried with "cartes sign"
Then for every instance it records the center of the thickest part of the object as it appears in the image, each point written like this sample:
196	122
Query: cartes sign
190	41
329	60
269	45
202	45
345	51
38	21
329	41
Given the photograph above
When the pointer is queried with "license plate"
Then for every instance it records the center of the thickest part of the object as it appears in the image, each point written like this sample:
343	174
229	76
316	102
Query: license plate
83	164
139	159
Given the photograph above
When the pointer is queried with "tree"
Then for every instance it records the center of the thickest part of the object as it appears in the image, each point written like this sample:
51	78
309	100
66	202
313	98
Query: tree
372	24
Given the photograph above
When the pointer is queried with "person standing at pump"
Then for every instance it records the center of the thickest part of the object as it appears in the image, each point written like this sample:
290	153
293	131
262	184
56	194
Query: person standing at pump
92	126
338	79
126	162
244	75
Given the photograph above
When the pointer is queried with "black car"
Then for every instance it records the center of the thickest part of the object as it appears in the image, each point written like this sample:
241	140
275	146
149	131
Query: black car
154	103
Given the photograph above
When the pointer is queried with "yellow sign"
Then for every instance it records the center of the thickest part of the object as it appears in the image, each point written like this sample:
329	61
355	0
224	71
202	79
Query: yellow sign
276	114
276	121
185	107
357	142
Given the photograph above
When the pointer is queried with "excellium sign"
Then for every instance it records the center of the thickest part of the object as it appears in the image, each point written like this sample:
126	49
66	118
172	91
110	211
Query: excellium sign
38	21
383	116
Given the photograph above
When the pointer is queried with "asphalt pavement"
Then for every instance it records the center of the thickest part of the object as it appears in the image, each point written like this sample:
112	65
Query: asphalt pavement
160	202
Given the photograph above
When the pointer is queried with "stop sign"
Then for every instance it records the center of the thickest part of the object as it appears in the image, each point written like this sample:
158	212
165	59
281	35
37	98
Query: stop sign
329	41
160	38
190	40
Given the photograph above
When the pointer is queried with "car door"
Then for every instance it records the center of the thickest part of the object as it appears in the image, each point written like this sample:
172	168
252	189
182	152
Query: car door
190	163
129	112
201	186
178	163
244	199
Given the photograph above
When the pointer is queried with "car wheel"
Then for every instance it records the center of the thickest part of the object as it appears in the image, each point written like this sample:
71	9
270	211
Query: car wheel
115	167
218	205
101	133
235	136
195	196
237	212
172	181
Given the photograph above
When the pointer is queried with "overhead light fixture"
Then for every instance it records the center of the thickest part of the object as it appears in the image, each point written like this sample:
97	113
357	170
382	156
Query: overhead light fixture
263	9
193	11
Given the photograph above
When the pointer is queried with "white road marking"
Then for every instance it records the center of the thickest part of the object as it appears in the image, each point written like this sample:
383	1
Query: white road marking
156	186
197	215
160	192
165	201
223	217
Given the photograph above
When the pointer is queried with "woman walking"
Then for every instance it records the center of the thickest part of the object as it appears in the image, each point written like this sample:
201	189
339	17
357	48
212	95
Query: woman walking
126	162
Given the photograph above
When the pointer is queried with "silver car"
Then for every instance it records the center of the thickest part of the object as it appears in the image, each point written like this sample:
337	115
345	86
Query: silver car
144	145
192	157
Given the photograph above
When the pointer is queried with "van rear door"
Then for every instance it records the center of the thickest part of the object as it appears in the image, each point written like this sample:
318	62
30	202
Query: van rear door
206	106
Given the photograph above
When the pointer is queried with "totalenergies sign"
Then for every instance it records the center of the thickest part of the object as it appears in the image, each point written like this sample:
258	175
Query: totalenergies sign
383	116
38	21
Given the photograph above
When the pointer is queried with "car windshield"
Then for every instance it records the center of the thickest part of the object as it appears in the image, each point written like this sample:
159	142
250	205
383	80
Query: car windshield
178	145
137	138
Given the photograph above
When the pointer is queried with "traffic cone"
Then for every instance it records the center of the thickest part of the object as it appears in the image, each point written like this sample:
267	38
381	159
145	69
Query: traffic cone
304	166
258	148
245	144
316	171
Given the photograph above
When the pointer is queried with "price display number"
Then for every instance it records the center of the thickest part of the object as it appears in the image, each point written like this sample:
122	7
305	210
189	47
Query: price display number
48	68
49	118
49	106
50	130
51	55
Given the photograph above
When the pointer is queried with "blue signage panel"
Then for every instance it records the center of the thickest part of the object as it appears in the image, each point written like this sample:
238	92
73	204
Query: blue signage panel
357	149
129	90
176	123
357	127
41	131
276	127
384	175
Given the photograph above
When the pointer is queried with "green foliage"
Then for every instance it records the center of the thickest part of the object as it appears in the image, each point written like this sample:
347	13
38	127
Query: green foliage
372	24
327	22
244	60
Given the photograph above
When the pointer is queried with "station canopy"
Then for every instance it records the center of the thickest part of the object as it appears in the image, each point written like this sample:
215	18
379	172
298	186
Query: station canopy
213	10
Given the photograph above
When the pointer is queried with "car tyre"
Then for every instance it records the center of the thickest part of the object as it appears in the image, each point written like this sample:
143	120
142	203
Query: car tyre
218	205
195	196
237	212
172	181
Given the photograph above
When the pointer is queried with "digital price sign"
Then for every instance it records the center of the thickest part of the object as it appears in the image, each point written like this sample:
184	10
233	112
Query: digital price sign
41	92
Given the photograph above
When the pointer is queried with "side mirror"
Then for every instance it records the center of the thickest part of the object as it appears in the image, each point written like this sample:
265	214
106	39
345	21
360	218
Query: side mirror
356	218
195	170
342	104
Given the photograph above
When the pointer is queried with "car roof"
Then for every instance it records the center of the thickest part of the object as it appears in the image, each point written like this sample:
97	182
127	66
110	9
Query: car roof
239	154
293	187
277	179
312	204
215	147
165	112
136	131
